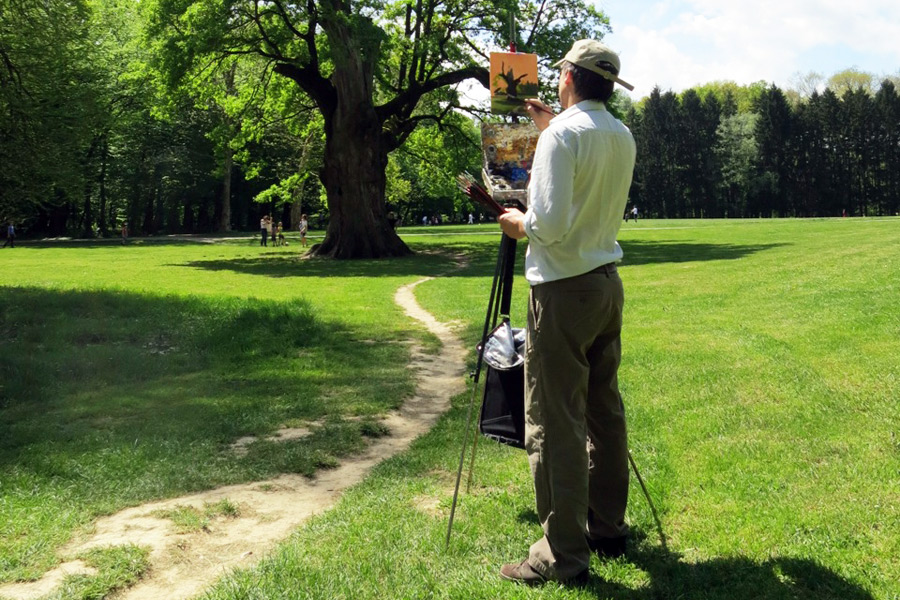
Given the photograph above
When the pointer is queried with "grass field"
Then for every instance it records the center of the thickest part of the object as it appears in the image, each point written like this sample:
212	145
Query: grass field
760	373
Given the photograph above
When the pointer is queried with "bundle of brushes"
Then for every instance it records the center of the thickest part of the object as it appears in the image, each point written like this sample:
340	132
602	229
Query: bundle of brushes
478	194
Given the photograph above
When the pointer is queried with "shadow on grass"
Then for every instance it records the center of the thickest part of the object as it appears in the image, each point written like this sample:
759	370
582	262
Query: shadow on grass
454	259
643	253
112	242
736	578
112	399
289	264
83	373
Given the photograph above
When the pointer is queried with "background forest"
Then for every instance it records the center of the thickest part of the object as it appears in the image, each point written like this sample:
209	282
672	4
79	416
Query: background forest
722	150
94	132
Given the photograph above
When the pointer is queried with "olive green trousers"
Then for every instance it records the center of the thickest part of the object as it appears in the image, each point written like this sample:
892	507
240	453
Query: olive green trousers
575	432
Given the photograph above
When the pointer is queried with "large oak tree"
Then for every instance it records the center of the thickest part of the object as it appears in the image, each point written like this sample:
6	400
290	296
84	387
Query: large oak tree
374	69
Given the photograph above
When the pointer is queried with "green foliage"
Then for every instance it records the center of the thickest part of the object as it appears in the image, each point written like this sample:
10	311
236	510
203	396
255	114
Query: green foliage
374	71
736	150
743	97
850	80
424	170
48	100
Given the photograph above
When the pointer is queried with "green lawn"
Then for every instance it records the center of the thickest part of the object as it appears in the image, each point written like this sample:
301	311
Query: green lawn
760	373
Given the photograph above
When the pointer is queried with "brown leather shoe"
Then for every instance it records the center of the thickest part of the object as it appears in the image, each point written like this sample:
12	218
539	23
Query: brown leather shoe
524	573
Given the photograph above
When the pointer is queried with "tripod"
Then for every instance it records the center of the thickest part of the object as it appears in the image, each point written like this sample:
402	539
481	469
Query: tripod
498	308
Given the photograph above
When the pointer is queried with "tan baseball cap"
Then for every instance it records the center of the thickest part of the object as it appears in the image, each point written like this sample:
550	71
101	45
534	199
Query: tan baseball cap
590	55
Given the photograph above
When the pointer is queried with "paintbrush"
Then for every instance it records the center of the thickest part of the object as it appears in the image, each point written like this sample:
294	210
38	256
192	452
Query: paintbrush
478	194
540	107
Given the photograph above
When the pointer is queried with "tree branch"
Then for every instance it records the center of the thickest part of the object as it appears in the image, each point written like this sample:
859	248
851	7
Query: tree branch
534	25
404	102
319	89
263	33
285	18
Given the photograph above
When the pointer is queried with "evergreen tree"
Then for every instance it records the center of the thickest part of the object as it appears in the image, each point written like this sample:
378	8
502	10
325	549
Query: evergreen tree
859	118
657	156
770	196
887	119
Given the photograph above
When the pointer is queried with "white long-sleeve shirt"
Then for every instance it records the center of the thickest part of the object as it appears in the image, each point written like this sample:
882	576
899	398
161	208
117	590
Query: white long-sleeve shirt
579	185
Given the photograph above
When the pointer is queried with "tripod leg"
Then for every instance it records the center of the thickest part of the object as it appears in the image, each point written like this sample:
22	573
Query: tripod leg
640	479
462	460
472	463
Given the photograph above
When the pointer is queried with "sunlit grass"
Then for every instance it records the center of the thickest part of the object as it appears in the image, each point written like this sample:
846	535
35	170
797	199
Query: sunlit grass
761	382
760	375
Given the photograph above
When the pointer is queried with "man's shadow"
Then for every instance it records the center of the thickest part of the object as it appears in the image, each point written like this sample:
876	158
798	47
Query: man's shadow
735	578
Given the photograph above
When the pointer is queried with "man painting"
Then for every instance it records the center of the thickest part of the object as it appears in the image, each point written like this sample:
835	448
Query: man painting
575	432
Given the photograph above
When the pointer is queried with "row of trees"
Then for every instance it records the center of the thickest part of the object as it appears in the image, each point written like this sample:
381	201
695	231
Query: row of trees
757	151
91	137
200	115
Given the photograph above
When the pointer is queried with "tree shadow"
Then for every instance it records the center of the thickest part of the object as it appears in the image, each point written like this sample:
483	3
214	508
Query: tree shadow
83	370
732	578
290	264
111	242
642	253
462	259
110	399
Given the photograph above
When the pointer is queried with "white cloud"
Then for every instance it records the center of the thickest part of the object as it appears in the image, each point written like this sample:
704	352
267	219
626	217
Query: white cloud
681	43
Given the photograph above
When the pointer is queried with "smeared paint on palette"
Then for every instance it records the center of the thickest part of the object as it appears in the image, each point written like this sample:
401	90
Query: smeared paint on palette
508	150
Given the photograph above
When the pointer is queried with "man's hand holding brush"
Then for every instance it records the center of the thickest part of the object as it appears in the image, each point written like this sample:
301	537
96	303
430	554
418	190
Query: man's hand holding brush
512	223
539	112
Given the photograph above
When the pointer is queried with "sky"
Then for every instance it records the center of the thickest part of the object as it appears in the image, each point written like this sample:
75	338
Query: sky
679	44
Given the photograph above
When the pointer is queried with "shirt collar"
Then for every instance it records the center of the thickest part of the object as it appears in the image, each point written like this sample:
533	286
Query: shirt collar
583	106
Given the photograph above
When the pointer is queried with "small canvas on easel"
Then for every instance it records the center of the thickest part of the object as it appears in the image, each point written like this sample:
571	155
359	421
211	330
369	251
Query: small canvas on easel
514	77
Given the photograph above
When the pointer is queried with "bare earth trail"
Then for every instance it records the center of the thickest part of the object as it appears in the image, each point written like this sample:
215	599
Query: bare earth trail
182	565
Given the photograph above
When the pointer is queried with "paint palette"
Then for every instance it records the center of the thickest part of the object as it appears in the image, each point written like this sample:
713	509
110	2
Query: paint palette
508	150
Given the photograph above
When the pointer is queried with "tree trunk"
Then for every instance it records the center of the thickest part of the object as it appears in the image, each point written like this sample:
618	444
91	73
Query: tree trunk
356	155
224	212
87	215
296	209
225	201
354	179
101	215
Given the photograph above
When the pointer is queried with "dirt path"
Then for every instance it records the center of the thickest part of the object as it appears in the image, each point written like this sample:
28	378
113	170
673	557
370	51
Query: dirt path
183	564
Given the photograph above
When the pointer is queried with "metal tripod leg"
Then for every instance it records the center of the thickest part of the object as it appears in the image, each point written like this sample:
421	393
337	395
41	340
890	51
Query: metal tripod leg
640	479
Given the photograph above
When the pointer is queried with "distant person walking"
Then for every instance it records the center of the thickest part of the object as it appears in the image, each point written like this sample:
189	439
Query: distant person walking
124	233
10	236
471	219
304	227
634	213
263	231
